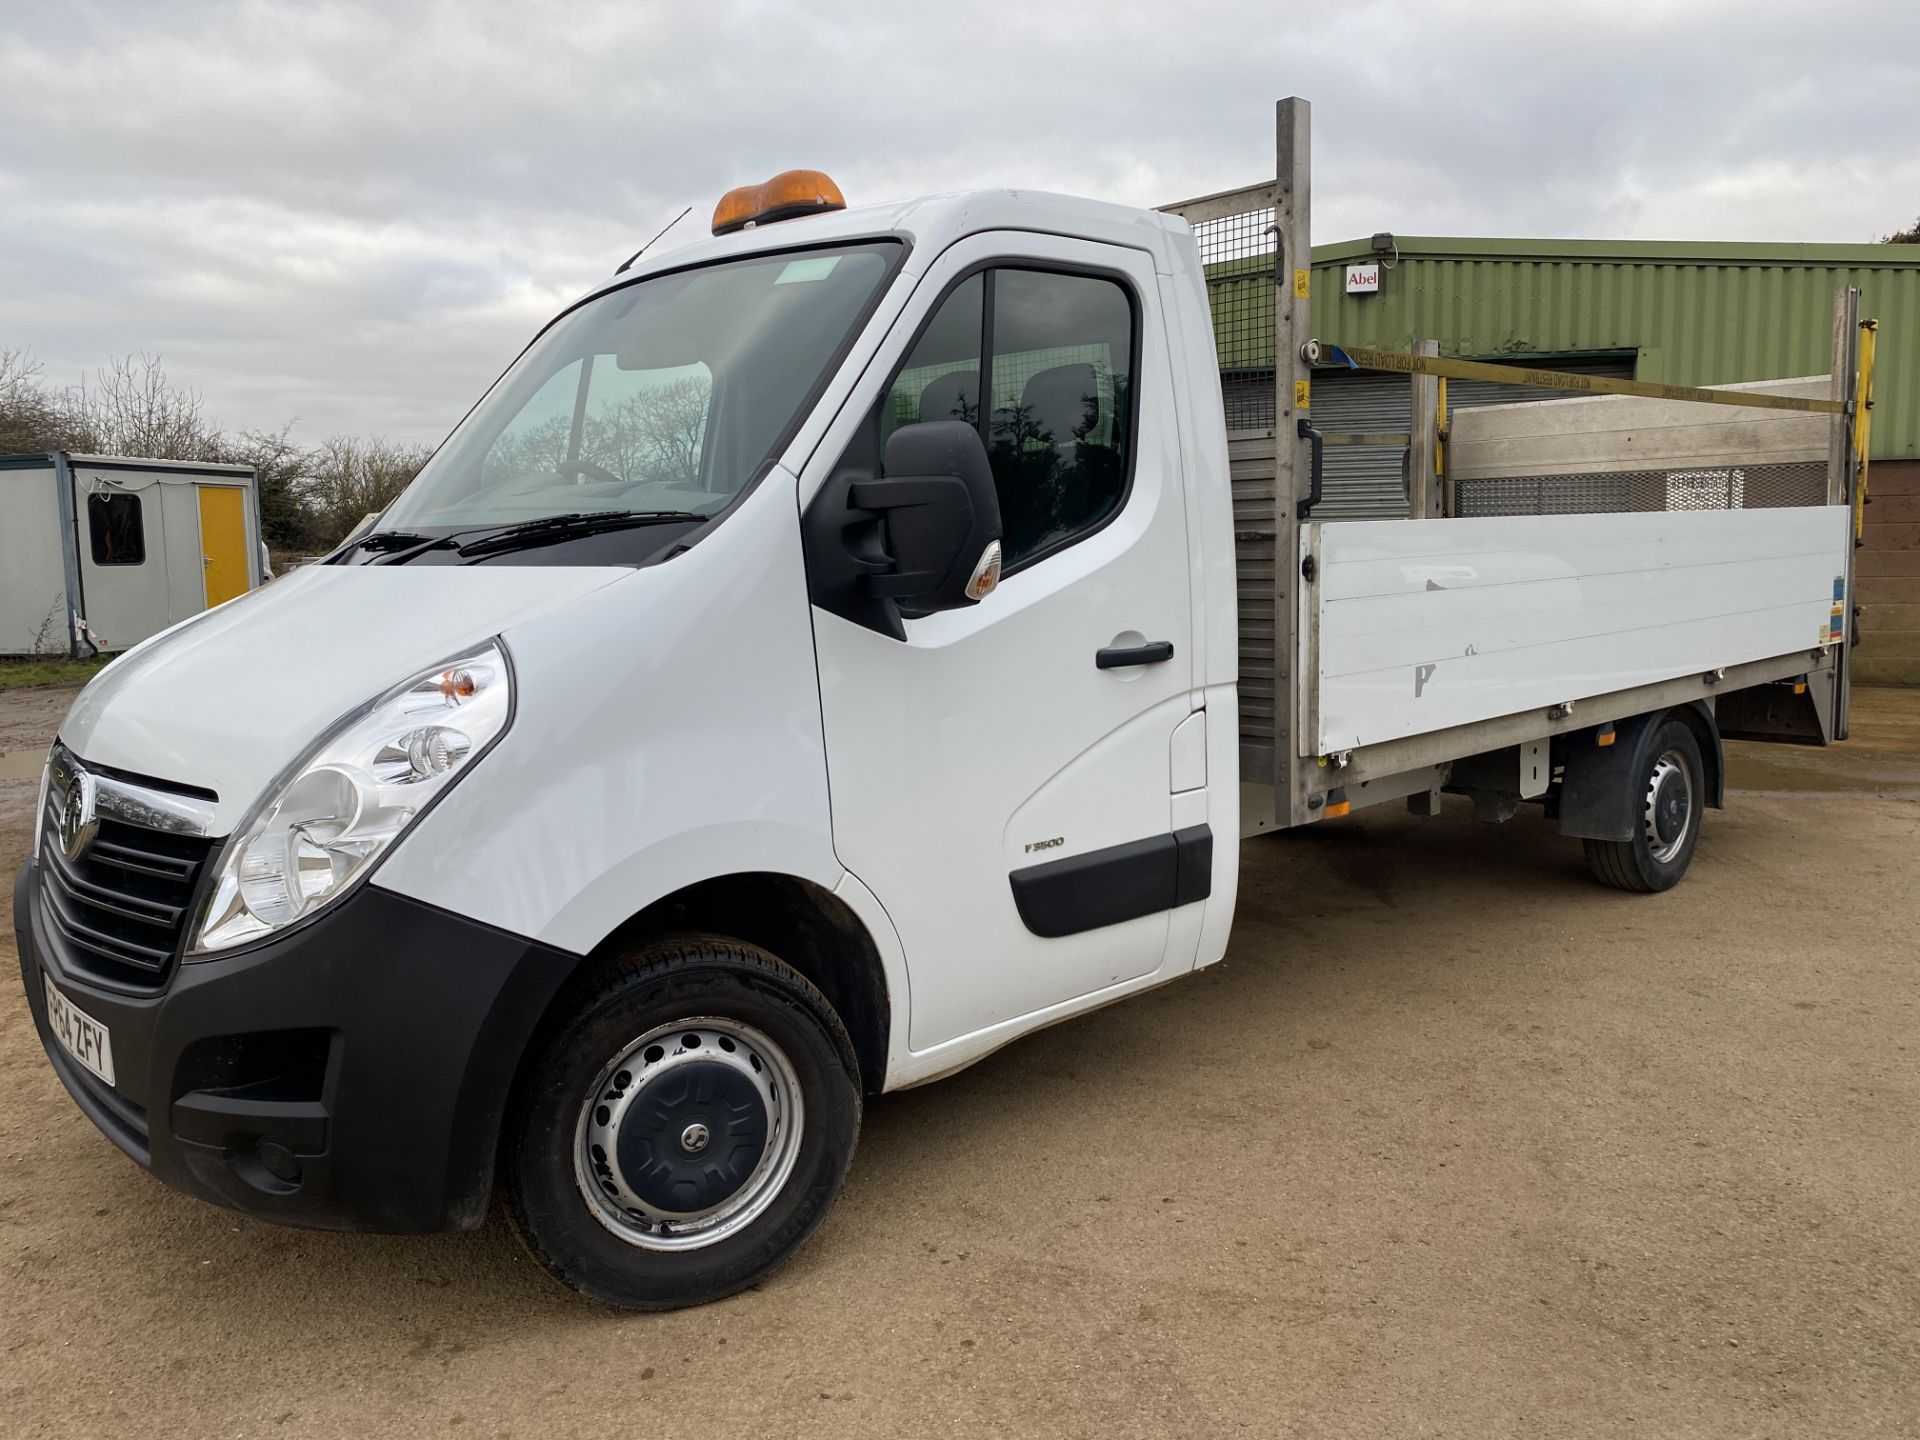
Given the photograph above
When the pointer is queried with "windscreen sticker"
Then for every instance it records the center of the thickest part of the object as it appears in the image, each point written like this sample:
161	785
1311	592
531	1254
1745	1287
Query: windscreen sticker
799	272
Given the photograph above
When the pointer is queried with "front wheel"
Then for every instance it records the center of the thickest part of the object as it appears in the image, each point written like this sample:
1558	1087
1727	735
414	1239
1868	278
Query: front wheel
1669	796
683	1127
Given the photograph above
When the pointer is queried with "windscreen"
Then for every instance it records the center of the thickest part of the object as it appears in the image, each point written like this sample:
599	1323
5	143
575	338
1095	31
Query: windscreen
670	394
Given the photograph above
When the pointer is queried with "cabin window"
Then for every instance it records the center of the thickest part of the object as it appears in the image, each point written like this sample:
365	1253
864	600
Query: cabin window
118	532
1057	386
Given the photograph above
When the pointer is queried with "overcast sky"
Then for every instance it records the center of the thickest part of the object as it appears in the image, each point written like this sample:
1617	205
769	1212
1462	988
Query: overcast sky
352	215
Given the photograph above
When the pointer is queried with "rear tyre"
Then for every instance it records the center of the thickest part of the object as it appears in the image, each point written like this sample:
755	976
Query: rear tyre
682	1127
1669	796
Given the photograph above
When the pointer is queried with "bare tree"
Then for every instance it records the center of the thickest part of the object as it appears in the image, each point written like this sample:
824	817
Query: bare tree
30	417
19	374
675	426
20	402
308	498
283	468
52	625
655	434
536	450
130	407
350	478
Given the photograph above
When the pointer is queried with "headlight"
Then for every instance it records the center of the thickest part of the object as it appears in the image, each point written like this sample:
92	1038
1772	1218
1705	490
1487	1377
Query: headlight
324	824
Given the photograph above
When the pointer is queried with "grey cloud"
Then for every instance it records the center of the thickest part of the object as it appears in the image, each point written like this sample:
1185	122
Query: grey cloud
356	213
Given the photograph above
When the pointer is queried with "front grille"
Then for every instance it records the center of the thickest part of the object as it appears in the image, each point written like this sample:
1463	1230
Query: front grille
120	911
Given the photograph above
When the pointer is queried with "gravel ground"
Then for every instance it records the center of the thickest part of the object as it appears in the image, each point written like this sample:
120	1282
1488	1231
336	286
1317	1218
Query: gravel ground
1453	1143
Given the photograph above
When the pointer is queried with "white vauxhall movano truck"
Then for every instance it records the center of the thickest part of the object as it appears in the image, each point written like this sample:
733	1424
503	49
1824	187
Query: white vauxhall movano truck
812	665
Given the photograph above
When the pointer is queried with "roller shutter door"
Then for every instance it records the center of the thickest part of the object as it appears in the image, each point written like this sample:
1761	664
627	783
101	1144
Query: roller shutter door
1363	481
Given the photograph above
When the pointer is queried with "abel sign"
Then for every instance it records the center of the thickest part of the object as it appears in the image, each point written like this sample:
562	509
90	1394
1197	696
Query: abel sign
1363	279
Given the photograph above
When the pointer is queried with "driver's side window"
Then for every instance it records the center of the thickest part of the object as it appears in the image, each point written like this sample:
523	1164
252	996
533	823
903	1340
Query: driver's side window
940	380
1057	415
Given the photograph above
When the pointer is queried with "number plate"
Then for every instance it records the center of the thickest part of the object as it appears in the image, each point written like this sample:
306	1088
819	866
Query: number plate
79	1034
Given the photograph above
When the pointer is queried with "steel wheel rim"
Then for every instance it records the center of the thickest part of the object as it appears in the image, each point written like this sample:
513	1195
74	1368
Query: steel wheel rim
611	1157
1666	818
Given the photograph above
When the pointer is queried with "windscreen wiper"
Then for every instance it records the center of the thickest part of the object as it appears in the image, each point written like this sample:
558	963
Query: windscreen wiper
389	540
397	547
551	529
423	543
376	540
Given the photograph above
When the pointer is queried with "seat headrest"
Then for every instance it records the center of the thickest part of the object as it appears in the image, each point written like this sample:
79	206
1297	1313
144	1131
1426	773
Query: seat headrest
1056	400
949	396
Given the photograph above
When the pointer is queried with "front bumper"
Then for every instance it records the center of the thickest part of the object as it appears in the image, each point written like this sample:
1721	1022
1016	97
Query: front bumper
349	1075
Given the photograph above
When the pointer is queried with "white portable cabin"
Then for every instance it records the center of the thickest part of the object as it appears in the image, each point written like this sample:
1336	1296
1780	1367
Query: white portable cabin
99	552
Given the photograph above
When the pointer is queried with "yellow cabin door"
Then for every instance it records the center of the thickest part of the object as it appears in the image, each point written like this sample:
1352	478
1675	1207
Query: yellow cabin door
223	541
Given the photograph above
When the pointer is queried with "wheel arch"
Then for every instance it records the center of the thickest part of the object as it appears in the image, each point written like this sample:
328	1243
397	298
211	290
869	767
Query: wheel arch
1595	800
1699	718
798	921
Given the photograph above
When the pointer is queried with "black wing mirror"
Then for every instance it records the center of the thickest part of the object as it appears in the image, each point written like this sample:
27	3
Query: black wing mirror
942	517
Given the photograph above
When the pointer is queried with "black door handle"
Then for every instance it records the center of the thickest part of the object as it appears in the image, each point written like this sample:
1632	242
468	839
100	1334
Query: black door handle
1118	657
1317	443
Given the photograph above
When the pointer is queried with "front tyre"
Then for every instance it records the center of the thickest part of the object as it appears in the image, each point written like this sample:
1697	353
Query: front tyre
682	1127
1669	796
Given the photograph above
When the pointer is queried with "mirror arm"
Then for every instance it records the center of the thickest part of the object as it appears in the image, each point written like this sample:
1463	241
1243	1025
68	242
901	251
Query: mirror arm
898	491
883	498
925	532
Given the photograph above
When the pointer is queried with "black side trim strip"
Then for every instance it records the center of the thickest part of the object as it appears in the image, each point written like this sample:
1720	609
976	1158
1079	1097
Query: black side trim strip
1194	878
1119	883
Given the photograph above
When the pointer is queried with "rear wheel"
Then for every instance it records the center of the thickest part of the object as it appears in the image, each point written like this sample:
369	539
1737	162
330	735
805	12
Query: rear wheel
683	1127
1670	795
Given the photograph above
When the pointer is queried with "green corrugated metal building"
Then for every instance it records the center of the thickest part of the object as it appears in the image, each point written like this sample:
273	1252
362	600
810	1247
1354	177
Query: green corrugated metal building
1680	312
1685	312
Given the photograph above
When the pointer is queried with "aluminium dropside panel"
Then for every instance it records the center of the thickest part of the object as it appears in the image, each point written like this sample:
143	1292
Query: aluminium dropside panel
1427	625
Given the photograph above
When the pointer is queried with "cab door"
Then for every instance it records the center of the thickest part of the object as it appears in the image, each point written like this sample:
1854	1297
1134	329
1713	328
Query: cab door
1000	777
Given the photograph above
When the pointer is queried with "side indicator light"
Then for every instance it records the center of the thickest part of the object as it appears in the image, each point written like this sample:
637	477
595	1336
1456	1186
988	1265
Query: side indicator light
1605	737
789	194
1337	804
986	573
1800	689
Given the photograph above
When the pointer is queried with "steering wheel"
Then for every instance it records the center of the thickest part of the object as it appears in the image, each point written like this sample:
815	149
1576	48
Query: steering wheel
588	468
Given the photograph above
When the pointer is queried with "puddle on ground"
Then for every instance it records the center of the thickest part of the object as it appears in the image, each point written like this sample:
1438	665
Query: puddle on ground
22	764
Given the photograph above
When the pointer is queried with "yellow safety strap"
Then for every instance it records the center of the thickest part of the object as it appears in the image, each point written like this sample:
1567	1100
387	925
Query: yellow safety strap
1863	422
